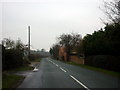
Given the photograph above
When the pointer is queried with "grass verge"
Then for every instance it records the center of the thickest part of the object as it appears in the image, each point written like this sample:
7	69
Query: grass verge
37	60
11	81
24	68
116	74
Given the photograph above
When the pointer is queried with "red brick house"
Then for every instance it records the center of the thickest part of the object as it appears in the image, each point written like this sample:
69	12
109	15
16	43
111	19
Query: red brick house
62	53
74	57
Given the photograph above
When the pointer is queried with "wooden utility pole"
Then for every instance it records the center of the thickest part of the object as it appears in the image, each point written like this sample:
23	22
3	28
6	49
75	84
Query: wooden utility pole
28	40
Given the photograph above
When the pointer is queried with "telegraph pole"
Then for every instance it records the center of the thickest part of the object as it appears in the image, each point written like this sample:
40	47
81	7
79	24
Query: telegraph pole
28	40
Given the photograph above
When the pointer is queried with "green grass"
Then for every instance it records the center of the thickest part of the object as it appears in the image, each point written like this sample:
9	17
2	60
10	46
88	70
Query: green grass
37	60
117	74
10	80
24	68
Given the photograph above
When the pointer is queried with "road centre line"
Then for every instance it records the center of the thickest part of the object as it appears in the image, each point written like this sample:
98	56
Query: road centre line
62	69
50	60
56	65
53	63
72	77
79	82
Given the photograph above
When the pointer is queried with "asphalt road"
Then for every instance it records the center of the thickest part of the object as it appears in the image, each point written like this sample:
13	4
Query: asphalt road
56	74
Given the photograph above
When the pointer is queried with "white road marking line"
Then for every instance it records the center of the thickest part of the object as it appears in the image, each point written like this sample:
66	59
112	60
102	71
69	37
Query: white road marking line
79	82
56	65
53	63
62	69
50	60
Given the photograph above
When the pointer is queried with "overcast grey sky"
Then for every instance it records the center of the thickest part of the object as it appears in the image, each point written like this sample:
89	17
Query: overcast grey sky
49	19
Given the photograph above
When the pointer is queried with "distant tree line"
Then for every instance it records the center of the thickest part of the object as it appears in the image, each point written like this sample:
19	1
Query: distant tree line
38	54
33	57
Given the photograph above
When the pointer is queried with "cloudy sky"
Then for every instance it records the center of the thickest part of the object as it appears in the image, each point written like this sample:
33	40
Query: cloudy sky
49	19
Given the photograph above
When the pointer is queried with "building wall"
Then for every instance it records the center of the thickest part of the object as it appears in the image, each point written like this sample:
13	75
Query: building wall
62	53
73	58
76	59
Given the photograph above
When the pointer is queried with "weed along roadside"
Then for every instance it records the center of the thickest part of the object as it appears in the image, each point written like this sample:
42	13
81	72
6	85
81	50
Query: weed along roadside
12	79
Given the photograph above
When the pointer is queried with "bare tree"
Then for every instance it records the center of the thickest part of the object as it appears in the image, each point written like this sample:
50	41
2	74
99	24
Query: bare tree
8	43
112	10
70	41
